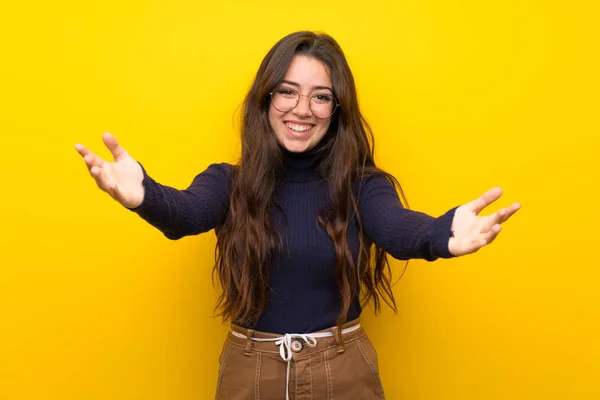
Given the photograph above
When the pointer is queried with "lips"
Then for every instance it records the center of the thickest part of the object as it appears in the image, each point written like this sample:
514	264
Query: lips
298	127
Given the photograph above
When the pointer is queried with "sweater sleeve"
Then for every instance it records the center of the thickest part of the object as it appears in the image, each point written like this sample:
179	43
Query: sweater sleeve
197	209
401	232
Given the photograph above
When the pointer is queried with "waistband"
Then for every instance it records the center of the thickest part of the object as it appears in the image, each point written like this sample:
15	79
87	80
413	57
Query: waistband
268	342
295	345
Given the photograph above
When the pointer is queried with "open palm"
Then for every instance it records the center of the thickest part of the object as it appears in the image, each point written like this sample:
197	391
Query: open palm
121	178
472	231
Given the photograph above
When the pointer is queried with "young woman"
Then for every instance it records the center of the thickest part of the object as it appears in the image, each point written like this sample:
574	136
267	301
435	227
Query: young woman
304	222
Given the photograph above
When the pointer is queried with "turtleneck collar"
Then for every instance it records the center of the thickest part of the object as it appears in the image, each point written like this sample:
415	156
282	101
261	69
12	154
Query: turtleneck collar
301	167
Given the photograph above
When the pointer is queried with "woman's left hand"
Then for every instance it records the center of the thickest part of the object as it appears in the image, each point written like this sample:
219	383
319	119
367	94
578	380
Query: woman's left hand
472	231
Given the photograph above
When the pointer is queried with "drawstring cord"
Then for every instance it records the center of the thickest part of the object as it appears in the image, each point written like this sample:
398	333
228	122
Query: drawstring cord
285	346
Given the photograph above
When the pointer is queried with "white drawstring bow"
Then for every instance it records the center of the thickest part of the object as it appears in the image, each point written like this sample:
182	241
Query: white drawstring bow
285	346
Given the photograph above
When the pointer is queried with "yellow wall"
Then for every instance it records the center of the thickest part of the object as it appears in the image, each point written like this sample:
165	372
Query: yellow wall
463	95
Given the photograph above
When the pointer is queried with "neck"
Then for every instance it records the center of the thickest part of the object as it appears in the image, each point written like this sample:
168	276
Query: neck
302	166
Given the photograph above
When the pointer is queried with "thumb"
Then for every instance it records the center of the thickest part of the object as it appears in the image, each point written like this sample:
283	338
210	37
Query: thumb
113	145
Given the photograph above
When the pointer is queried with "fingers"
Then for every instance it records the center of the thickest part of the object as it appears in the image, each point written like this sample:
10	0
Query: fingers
113	145
97	169
489	226
488	233
105	182
489	236
479	231
91	159
485	200
101	179
468	245
504	214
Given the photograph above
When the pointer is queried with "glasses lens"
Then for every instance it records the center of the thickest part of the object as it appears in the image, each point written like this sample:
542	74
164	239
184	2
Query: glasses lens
322	105
285	99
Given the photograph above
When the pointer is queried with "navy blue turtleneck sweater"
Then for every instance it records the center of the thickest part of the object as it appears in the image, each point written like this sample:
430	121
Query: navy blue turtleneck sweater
304	295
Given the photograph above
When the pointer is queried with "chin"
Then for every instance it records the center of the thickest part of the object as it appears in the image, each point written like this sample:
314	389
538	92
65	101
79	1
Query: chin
294	146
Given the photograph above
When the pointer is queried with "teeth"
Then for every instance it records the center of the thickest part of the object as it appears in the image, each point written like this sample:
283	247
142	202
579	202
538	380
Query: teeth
297	128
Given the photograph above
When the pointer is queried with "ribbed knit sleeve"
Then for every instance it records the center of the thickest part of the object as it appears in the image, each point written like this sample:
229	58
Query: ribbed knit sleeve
197	209
403	233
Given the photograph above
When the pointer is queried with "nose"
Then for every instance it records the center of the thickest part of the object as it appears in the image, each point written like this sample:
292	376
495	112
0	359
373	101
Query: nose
303	107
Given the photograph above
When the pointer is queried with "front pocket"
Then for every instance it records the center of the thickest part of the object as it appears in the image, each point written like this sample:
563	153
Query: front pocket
224	353
369	354
227	346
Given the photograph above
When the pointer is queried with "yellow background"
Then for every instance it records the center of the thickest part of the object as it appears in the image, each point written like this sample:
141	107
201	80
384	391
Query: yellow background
462	95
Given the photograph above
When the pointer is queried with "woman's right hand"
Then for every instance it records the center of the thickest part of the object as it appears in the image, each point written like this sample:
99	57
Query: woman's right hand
122	178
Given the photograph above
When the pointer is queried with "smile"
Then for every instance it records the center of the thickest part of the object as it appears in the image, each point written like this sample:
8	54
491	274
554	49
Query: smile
297	127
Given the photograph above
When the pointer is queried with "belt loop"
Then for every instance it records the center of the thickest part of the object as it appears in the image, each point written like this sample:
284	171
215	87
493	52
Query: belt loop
249	336
339	339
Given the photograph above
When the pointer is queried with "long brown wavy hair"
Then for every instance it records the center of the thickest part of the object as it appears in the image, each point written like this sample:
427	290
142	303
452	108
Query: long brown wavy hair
247	241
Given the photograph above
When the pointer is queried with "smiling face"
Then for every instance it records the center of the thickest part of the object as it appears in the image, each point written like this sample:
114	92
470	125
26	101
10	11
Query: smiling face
298	130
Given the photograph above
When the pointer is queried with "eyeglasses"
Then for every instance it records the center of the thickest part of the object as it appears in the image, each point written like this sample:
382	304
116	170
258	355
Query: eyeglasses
321	105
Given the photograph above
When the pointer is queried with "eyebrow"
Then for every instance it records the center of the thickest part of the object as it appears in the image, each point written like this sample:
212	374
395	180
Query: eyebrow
313	88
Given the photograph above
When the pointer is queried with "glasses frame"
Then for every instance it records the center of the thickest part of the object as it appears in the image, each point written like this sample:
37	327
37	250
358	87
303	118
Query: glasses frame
309	102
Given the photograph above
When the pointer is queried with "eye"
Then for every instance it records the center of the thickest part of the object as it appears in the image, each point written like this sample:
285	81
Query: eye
323	98
286	92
